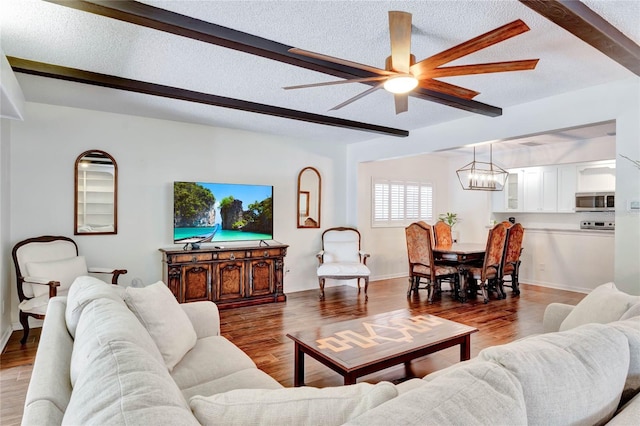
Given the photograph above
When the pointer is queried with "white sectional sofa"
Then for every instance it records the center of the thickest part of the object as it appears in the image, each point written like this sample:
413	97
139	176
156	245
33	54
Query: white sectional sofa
137	357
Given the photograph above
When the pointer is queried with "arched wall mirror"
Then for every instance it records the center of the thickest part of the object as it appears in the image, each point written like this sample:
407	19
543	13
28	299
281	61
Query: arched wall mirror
96	194
309	191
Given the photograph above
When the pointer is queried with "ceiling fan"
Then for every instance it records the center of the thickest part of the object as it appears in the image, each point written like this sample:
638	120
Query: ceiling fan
402	73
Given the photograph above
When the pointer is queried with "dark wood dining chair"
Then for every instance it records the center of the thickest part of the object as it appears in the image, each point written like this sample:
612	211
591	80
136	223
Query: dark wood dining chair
489	273
442	234
511	260
422	264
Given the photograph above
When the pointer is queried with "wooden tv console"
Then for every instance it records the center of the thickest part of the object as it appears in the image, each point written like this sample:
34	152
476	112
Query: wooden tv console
229	276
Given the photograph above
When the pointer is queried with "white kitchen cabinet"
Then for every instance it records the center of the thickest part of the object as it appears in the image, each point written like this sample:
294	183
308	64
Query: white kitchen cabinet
567	188
541	189
548	189
510	199
597	176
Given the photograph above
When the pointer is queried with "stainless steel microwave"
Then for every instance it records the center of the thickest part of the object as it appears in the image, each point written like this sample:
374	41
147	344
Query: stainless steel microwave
595	201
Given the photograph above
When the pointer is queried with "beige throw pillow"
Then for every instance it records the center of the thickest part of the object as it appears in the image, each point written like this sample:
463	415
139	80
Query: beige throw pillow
65	271
603	305
291	406
83	291
169	326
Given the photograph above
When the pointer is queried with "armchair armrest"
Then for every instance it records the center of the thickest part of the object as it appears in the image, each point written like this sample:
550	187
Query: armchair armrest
204	316
363	256
554	314
53	291
116	272
320	256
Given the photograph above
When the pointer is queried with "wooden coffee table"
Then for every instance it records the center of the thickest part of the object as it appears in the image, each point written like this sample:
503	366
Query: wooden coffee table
362	346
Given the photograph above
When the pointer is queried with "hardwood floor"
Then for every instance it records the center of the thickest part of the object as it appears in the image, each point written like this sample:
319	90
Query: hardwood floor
261	332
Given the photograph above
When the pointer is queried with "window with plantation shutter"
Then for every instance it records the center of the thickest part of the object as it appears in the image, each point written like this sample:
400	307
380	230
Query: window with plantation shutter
399	203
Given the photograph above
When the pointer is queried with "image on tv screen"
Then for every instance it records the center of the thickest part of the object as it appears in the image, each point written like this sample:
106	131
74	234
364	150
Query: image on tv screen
212	212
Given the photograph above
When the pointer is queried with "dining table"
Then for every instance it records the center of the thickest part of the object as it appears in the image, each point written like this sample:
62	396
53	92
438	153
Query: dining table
461	255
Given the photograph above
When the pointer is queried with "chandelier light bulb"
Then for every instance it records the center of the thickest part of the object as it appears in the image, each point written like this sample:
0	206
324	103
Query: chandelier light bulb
401	83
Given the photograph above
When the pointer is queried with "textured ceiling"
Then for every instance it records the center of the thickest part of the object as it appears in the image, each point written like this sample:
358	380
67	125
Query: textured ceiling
353	30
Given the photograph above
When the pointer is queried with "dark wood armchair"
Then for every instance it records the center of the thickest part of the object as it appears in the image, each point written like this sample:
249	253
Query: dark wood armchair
45	267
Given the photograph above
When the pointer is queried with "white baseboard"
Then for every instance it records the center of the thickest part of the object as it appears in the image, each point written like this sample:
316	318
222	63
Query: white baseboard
557	286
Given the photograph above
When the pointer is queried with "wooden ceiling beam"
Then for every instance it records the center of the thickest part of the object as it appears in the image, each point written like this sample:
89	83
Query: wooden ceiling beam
186	26
113	82
577	18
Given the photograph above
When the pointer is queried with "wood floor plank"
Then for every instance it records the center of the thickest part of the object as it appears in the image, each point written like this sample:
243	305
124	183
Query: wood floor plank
261	331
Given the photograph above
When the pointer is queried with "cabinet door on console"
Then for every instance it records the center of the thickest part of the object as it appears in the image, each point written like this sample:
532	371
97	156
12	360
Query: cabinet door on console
230	280
196	279
261	277
173	278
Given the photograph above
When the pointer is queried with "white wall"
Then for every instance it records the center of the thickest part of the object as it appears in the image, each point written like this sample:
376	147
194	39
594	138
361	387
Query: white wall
387	246
151	154
617	101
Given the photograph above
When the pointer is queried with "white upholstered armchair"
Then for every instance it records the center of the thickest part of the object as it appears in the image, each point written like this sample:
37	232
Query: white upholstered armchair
45	267
341	258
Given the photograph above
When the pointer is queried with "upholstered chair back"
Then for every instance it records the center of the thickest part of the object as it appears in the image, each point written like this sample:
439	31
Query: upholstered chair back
45	253
513	247
341	245
495	249
442	234
419	243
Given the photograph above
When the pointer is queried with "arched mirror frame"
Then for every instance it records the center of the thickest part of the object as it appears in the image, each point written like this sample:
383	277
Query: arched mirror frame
309	199
102	229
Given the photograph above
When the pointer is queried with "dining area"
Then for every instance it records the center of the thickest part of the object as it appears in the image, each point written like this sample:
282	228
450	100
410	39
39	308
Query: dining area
470	268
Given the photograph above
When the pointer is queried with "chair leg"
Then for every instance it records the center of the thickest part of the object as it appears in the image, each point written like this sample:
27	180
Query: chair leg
411	284
500	288
515	284
366	286
485	293
358	280
24	320
431	289
321	282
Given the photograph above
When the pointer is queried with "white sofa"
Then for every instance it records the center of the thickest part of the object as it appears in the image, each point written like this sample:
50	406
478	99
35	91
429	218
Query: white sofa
108	356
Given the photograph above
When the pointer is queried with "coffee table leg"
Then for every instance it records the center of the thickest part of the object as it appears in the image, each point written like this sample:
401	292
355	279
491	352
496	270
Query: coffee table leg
465	348
298	369
349	379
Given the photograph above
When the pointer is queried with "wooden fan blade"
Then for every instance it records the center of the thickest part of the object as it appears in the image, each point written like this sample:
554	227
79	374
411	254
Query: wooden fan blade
402	102
331	83
339	61
527	64
355	98
478	43
400	32
447	88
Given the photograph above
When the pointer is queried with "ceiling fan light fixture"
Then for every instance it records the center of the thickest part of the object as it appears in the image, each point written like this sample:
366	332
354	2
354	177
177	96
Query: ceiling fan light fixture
401	83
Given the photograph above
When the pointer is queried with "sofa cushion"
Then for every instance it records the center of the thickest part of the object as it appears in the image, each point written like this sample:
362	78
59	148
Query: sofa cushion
571	377
211	358
64	271
603	305
104	321
628	414
83	290
631	329
169	326
249	378
481	393
633	312
126	386
293	406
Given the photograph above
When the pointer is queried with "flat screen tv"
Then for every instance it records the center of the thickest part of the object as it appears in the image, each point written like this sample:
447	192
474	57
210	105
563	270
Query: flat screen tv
213	212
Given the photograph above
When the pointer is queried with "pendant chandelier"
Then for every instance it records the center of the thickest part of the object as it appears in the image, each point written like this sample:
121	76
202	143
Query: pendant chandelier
482	176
